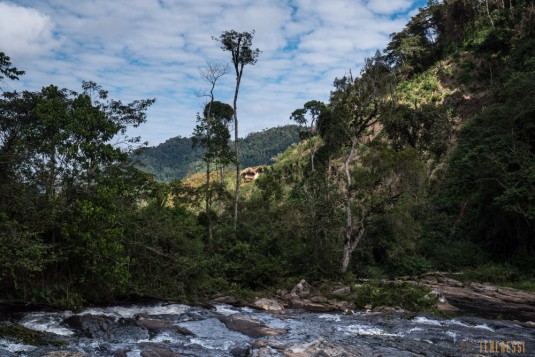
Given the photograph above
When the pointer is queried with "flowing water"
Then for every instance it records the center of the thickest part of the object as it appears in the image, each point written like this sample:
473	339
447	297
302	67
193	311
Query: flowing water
116	333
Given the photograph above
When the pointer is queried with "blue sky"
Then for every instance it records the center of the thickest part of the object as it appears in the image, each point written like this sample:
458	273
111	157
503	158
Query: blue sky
153	49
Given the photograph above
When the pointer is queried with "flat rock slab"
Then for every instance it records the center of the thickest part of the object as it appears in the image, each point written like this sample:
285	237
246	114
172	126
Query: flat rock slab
249	327
507	303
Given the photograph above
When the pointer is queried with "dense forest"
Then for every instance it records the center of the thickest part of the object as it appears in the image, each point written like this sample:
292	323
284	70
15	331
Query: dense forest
177	157
423	161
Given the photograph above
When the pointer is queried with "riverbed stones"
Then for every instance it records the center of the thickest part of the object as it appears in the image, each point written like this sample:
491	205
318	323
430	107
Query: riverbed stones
105	327
249	327
64	354
317	348
151	349
268	304
305	304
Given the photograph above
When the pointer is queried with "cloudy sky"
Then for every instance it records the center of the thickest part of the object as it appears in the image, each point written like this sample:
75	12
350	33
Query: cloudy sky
153	49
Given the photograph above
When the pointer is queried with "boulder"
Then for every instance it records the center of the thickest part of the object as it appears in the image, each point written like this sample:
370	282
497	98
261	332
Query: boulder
90	325
249	327
268	304
345	291
302	289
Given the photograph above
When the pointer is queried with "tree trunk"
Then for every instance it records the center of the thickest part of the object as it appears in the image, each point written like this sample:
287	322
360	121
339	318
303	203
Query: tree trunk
222	183
207	207
349	247
237	193
348	233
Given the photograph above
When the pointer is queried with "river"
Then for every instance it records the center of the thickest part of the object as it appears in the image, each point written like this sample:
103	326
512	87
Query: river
181	330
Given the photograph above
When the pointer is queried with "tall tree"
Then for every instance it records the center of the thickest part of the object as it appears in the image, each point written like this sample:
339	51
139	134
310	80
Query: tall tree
210	133
356	106
313	108
239	44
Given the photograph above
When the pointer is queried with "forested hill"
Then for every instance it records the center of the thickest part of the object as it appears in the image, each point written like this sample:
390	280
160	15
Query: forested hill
423	162
176	158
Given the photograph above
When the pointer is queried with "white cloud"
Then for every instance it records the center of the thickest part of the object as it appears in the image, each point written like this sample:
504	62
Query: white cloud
153	48
389	6
25	31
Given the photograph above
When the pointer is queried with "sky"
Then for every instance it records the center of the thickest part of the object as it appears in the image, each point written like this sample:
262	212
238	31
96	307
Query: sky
140	49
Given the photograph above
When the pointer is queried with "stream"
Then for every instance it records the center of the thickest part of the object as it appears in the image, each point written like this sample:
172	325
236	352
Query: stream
180	330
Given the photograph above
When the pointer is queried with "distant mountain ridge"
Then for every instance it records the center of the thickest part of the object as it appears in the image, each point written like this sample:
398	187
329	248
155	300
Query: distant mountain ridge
176	158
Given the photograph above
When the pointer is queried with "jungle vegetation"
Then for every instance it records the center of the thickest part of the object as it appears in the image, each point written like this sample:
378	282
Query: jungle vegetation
425	160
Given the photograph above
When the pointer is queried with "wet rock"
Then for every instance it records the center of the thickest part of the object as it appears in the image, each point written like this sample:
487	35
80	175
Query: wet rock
154	325
90	325
268	304
121	353
249	327
183	331
345	291
157	350
308	305
317	348
239	351
64	354
302	289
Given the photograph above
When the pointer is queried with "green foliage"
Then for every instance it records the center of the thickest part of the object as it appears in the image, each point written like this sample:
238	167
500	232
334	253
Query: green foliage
395	293
379	178
7	70
491	172
63	183
426	128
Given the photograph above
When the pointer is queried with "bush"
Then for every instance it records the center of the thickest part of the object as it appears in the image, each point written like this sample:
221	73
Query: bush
410	265
401	294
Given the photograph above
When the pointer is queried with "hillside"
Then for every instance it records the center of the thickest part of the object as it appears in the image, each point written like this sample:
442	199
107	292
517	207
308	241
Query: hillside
176	158
424	161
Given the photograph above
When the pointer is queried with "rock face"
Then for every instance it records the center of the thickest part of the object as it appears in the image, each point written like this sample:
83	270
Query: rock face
482	298
249	327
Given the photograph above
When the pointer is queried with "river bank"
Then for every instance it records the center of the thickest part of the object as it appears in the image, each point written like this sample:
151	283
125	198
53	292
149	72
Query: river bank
302	321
